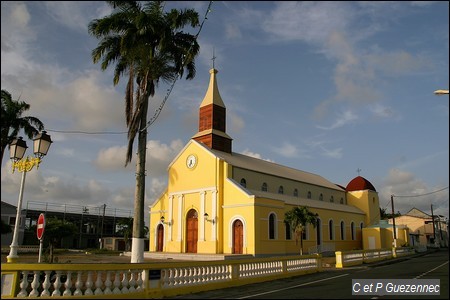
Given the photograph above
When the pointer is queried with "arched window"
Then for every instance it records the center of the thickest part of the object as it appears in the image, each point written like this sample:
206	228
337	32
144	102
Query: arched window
342	230
361	225
288	231
321	197
281	190
352	228
272	226
295	193
309	195
332	199
244	182
264	187
331	229
342	201
319	231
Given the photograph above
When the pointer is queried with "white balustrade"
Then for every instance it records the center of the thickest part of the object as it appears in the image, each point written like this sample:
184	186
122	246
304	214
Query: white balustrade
68	285
91	282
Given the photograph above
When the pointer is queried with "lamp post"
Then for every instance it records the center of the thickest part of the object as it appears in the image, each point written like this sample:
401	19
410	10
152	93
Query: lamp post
17	149
441	92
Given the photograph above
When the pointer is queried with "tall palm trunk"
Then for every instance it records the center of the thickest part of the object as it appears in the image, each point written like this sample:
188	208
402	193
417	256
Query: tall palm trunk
137	247
301	243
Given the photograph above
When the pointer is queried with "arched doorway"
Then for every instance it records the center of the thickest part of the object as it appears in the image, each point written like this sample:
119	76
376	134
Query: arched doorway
238	237
160	237
191	231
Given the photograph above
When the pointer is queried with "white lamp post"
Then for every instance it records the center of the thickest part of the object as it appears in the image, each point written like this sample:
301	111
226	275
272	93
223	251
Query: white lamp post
17	149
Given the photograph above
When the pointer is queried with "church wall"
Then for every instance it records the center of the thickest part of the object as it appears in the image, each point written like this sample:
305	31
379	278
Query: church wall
264	244
254	181
246	215
280	245
349	242
157	210
181	178
368	202
236	205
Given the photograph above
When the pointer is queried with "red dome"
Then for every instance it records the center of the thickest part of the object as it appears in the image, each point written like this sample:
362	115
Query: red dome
359	184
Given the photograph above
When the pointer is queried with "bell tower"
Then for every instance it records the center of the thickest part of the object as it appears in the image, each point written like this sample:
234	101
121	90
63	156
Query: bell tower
212	119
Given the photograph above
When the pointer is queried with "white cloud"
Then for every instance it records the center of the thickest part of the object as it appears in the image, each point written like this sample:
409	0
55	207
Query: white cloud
343	119
312	22
412	192
397	62
232	31
335	153
381	111
159	156
287	150
236	123
72	14
65	151
255	155
290	150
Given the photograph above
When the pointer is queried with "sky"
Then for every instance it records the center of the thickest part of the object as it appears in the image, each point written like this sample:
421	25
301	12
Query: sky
338	89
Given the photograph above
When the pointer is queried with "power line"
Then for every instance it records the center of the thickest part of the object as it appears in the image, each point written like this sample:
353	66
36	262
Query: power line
86	132
412	196
169	90
157	111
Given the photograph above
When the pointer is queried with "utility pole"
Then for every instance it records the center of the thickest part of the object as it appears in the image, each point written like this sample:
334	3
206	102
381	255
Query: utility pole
432	220
393	221
103	221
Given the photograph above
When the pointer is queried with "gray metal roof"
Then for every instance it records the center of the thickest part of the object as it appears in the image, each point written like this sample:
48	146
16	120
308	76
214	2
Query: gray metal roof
267	167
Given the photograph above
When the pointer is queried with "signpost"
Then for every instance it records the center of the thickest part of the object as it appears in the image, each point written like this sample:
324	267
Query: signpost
40	233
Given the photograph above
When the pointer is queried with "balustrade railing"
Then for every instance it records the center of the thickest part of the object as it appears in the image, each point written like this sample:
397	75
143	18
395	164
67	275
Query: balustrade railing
358	257
145	280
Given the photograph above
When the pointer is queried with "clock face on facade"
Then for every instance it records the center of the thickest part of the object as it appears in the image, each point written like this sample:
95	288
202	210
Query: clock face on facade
191	161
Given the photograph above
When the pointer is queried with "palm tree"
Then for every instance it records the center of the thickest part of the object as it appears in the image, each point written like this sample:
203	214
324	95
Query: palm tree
13	122
297	218
148	45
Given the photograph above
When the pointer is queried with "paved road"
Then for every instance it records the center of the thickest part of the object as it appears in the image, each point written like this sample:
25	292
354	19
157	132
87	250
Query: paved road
337	283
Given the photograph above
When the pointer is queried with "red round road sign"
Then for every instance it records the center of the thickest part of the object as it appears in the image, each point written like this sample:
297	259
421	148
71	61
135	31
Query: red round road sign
40	226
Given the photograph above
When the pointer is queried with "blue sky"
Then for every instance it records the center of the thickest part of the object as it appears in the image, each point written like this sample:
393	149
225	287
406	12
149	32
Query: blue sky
324	87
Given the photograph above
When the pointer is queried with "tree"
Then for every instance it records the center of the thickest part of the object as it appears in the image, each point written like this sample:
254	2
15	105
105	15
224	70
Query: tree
55	230
5	228
147	45
386	216
297	218
13	122
126	229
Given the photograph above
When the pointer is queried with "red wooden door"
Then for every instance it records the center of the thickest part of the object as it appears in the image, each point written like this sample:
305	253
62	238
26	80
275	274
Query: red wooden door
191	231
238	237
160	243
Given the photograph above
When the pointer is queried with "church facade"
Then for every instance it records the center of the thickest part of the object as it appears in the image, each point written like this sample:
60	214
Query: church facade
221	202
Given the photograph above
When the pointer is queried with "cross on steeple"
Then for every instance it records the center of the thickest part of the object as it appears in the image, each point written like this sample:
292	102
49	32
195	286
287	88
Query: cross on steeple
213	58
358	170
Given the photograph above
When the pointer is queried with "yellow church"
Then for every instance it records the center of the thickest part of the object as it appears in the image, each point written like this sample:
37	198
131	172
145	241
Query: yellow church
221	202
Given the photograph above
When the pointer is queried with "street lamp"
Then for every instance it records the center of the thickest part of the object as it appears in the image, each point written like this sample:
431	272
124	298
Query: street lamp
17	150
441	92
208	220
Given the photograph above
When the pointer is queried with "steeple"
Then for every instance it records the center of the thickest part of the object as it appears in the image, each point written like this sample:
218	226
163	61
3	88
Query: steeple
212	119
212	94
